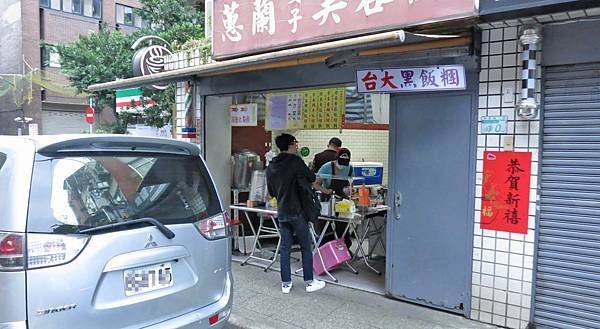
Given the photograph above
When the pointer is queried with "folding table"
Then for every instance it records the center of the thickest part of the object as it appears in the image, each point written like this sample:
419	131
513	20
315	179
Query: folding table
265	231
370	228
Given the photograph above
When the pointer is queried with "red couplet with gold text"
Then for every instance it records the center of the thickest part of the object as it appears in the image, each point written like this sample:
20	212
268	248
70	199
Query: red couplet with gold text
505	191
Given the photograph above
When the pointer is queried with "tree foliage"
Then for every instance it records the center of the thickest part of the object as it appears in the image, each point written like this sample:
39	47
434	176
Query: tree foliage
165	15
107	55
95	58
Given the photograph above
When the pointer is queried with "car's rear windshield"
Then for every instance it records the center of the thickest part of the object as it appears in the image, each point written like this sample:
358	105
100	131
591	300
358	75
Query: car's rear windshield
69	194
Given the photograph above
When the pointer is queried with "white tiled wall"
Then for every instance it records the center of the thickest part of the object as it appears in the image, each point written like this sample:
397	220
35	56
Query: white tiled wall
503	262
365	145
180	115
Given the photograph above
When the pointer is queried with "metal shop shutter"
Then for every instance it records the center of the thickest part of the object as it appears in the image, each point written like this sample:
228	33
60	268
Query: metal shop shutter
567	293
58	122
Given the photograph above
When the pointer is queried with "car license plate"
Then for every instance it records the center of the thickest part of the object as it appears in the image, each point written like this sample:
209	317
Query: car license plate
148	278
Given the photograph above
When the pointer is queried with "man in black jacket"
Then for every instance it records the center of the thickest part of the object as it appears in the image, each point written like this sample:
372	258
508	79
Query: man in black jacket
283	174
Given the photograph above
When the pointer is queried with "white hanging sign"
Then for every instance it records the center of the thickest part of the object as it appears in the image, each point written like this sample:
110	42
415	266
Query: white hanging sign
394	80
243	115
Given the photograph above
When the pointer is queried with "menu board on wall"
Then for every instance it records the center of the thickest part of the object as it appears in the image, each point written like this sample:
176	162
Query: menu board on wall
276	112
309	109
294	118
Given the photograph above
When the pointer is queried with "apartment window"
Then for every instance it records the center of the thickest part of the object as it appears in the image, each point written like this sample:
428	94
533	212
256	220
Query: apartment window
54	59
77	7
55	4
125	15
140	22
50	58
92	8
89	8
67	6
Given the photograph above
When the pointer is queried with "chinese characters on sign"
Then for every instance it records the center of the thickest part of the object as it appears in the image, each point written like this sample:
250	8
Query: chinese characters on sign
494	124
324	108
310	109
392	80
505	191
243	115
294	111
245	26
232	31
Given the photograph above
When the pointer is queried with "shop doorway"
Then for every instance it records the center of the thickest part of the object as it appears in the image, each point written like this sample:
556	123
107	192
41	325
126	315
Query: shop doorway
430	224
365	131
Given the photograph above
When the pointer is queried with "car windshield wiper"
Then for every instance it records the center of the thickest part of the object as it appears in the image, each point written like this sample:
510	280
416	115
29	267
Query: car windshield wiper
122	225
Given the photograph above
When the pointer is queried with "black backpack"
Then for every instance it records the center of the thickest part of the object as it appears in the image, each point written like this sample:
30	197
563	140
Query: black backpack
311	205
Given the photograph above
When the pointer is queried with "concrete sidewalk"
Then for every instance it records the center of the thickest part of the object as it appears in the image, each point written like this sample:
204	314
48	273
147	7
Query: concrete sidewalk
259	303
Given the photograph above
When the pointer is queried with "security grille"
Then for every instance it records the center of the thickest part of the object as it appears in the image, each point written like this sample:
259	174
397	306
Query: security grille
567	293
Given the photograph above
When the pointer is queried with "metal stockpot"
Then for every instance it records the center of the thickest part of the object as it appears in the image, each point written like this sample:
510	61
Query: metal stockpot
244	163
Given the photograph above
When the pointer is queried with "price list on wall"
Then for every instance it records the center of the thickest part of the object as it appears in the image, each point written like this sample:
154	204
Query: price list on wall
310	109
294	111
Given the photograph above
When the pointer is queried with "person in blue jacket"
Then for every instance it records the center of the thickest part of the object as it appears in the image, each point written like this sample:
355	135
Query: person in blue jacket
330	180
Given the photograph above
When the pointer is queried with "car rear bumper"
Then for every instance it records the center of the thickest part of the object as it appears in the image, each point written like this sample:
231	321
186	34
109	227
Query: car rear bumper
199	318
13	325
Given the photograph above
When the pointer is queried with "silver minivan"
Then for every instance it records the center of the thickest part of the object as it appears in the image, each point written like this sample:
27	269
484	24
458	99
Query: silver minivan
110	232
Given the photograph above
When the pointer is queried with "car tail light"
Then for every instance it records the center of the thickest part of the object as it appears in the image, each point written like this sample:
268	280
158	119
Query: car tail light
52	249
43	250
216	227
215	318
11	252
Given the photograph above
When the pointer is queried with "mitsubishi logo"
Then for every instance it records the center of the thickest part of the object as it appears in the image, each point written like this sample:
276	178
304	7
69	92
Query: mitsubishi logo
150	243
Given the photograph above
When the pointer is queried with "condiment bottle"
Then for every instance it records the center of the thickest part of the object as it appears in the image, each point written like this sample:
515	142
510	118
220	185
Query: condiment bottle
363	196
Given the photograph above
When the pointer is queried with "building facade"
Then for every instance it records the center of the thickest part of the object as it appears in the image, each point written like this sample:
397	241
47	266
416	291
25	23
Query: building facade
532	63
26	26
549	276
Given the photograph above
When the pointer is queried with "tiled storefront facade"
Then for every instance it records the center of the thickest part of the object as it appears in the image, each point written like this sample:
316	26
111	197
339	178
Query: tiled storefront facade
503	262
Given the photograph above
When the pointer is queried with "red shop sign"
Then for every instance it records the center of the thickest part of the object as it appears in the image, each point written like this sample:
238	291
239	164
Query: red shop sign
505	191
250	26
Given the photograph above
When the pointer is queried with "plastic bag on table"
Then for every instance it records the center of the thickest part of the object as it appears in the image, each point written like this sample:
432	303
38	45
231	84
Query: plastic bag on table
258	186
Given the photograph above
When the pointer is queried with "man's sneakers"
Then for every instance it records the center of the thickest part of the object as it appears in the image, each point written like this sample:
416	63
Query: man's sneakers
314	285
311	286
286	287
